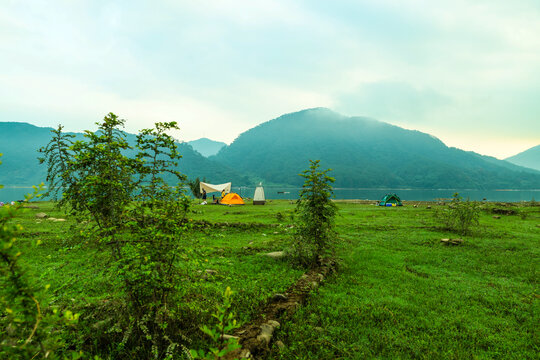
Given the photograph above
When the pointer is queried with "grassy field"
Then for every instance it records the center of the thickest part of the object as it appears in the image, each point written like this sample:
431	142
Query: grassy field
398	292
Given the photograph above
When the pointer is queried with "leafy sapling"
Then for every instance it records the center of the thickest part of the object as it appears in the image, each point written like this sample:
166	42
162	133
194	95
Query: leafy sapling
218	333
316	211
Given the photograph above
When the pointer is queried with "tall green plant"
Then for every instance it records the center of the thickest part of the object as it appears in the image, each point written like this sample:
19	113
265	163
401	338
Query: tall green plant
316	212
141	216
28	328
56	156
150	254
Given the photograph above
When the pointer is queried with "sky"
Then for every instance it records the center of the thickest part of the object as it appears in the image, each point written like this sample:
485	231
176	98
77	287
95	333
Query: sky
467	72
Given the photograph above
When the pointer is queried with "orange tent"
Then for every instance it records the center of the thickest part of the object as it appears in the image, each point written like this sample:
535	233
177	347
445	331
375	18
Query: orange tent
232	199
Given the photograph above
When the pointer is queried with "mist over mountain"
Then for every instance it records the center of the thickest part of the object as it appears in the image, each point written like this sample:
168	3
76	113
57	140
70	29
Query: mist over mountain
19	142
206	147
529	158
365	153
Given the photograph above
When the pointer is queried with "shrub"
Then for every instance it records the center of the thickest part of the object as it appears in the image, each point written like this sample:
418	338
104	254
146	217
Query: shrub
315	210
460	215
225	323
139	216
28	327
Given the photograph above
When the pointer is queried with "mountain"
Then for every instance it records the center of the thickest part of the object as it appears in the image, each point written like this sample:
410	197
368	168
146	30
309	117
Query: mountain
365	153
529	158
19	142
206	147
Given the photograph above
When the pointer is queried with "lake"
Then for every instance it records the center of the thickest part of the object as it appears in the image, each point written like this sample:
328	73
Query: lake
17	193
404	194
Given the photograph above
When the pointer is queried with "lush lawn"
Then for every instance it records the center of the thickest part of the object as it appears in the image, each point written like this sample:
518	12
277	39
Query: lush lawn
398	292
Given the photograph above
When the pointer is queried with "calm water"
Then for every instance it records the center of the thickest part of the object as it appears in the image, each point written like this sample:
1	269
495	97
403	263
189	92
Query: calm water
419	195
10	194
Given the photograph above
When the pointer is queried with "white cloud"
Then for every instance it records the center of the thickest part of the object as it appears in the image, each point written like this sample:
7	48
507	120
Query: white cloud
220	68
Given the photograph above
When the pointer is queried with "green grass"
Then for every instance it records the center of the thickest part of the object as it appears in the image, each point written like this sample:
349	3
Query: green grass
398	292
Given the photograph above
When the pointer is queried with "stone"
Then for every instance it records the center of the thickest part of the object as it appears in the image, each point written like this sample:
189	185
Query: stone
59	220
279	297
266	334
428	207
41	215
228	337
280	345
51	218
496	217
273	323
452	241
276	254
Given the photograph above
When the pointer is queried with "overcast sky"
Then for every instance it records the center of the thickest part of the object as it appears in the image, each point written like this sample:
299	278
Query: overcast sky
466	71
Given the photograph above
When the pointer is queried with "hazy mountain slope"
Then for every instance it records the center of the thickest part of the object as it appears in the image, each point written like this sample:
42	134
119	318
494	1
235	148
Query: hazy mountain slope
206	147
19	143
364	153
529	158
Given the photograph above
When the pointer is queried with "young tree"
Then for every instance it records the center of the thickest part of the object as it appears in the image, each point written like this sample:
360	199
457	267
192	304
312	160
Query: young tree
56	156
316	212
139	214
149	255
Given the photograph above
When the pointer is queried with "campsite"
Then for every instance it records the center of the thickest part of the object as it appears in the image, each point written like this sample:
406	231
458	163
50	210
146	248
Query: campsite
270	180
397	291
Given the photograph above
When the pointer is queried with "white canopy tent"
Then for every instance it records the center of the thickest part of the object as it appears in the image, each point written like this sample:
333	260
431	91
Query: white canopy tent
215	188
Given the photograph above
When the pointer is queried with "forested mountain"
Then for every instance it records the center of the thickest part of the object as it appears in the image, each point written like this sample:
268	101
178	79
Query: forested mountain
365	153
529	158
19	142
206	147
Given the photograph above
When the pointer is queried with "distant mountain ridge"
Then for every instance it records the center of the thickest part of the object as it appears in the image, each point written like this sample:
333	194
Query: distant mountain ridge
529	158
19	142
206	147
365	153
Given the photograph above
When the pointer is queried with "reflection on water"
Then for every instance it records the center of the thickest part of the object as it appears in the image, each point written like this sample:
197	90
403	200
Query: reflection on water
17	193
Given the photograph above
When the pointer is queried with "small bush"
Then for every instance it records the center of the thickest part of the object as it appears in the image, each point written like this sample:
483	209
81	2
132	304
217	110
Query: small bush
315	232
460	215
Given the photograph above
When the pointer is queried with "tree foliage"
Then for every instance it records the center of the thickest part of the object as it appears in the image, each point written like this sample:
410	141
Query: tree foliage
138	215
316	212
195	186
28	327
